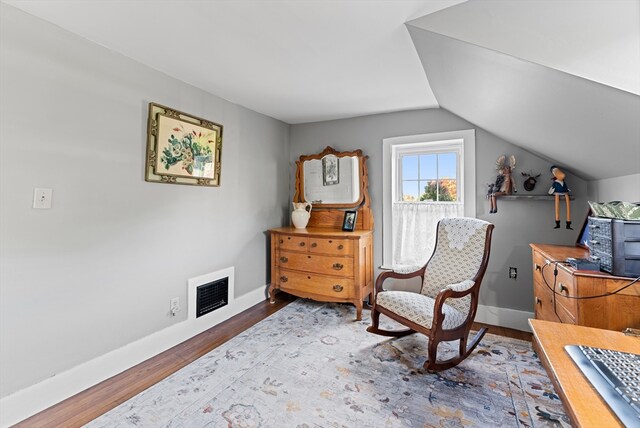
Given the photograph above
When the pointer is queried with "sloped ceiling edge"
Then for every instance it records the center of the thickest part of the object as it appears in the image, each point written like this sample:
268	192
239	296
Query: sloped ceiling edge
590	128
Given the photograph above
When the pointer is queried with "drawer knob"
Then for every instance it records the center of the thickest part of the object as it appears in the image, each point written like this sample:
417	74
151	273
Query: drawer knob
340	247
314	245
538	301
338	266
282	241
283	259
284	278
302	244
338	288
537	266
563	288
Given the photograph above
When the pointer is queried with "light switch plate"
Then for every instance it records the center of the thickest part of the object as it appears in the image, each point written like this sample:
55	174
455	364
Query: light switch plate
42	198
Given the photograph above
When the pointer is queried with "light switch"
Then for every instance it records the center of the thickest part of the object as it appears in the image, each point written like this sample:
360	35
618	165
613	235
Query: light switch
42	198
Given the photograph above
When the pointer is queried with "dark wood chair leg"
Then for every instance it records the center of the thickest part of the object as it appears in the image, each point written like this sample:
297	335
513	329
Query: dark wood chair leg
375	326
465	350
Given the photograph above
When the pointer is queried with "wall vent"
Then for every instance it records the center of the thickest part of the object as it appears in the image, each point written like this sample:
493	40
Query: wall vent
211	291
212	296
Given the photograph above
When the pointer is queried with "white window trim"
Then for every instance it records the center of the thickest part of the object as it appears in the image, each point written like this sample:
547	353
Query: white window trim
467	173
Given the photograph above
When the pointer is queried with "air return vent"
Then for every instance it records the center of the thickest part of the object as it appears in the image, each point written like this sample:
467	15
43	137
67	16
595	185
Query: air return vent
212	296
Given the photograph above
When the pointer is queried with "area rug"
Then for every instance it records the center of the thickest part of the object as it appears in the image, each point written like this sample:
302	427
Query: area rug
311	365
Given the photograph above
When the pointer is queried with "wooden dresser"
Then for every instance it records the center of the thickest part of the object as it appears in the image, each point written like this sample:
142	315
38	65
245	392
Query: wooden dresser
614	312
322	264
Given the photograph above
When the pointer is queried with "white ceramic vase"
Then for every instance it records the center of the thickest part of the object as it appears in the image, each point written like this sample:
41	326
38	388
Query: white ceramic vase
301	214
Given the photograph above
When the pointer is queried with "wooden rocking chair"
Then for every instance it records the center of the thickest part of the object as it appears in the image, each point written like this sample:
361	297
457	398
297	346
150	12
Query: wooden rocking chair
446	306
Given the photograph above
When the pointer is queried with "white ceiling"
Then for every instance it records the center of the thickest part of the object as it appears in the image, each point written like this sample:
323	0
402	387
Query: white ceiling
311	60
598	40
559	78
297	61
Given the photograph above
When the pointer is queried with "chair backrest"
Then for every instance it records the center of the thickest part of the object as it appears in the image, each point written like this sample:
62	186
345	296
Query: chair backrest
461	243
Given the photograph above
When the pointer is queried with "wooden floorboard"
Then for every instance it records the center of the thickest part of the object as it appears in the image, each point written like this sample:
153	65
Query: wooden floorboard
99	399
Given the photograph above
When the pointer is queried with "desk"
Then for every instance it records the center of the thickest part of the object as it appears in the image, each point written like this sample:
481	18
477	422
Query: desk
568	305
581	401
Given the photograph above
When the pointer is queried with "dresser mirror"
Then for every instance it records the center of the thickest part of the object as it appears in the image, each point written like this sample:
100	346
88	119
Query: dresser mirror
332	179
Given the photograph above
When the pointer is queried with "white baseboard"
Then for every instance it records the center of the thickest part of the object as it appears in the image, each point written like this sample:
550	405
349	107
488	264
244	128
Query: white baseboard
504	317
31	400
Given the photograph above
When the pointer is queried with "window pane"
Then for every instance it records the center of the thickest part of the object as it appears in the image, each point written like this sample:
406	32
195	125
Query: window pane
409	167
448	189
428	190
409	191
428	166
447	165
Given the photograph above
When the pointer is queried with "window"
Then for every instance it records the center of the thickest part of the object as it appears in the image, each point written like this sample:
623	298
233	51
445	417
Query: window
425	177
425	174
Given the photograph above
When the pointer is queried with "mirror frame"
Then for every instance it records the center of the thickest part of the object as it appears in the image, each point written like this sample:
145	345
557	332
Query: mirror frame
363	179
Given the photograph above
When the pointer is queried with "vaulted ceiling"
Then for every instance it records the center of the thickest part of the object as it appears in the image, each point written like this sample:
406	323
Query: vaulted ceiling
559	78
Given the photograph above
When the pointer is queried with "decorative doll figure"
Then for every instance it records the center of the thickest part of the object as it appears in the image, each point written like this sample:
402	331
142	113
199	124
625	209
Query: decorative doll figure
504	185
559	188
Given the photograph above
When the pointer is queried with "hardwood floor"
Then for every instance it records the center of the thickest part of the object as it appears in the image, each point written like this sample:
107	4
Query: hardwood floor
99	399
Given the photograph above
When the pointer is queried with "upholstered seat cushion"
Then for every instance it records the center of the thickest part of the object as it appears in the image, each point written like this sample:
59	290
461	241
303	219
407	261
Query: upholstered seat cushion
418	308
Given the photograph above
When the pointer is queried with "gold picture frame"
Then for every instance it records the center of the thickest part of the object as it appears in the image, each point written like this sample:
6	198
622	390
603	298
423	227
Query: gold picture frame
182	149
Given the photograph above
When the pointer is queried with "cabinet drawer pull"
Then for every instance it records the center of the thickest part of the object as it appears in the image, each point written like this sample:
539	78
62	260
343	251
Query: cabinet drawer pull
283	259
563	288
284	278
338	288
338	266
537	266
594	242
282	241
302	244
314	244
538	301
340	247
594	226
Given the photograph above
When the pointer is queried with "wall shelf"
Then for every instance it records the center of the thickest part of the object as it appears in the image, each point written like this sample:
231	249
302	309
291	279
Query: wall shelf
532	197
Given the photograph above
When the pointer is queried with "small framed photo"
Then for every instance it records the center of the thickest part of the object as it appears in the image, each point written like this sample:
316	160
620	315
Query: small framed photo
330	170
349	222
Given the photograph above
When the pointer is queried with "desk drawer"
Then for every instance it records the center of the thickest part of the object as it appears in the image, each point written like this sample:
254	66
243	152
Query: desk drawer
333	287
328	265
564	281
543	302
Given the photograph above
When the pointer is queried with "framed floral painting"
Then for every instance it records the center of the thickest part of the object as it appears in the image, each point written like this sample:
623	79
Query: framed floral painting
182	149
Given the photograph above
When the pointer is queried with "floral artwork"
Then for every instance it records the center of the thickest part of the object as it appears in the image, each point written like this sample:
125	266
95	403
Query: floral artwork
182	149
188	150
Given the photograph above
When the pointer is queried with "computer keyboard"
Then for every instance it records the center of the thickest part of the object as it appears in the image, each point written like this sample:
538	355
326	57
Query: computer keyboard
616	377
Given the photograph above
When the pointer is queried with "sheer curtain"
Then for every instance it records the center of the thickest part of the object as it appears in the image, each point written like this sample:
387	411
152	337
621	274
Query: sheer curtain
414	231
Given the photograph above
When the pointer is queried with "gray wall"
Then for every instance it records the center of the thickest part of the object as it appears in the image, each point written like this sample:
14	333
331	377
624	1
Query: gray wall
625	188
97	270
518	222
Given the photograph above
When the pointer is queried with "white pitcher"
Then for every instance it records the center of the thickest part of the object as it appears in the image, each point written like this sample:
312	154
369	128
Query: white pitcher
301	214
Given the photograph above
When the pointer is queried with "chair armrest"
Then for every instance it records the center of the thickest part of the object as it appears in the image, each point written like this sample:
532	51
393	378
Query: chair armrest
451	291
463	286
391	274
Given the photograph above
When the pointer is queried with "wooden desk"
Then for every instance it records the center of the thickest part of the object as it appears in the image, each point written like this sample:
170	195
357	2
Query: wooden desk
568	305
581	401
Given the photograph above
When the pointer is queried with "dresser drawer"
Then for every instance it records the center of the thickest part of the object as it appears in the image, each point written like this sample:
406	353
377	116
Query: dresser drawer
341	247
333	287
316	263
292	242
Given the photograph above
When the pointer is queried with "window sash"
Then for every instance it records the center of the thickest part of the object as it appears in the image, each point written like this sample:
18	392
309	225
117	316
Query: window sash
427	148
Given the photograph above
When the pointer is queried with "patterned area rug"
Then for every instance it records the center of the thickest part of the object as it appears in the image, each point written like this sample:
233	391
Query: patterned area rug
311	365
